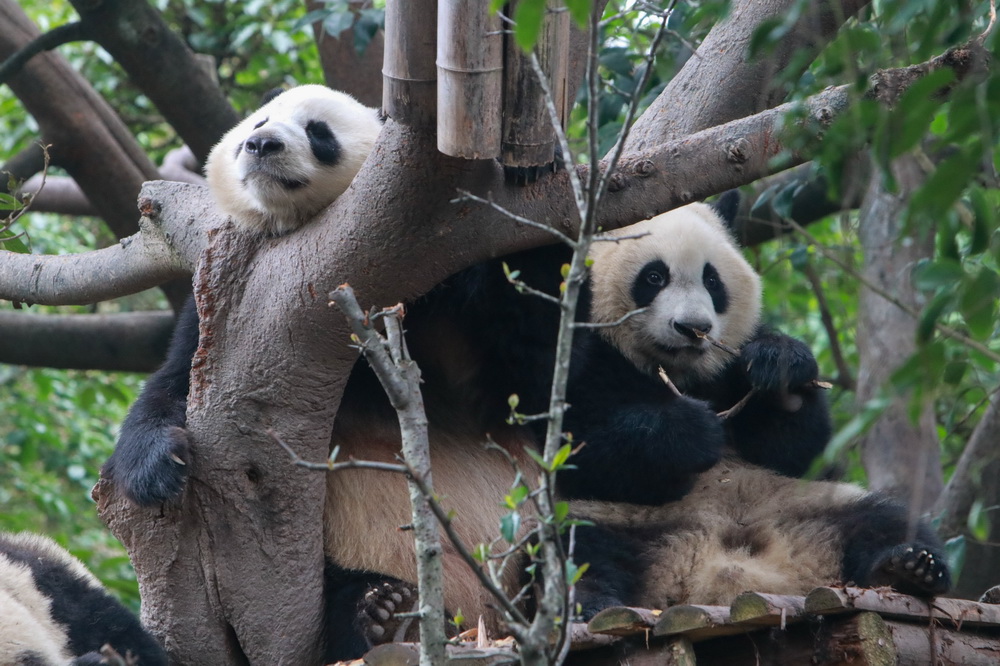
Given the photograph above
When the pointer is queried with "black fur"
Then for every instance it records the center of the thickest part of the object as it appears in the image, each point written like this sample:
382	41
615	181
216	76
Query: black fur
323	142
90	616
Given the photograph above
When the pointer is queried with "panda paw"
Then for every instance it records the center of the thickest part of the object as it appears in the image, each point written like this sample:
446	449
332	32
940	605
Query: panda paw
778	363
914	569
149	465
377	618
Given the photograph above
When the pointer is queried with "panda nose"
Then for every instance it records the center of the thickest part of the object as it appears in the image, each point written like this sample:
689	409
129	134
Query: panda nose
263	145
693	329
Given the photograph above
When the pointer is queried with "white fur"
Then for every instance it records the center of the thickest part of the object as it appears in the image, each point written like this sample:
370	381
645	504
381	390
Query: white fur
685	240
251	188
27	629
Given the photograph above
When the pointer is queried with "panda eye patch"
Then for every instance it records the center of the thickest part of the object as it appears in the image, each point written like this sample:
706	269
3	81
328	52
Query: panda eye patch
649	282
261	123
323	142
715	287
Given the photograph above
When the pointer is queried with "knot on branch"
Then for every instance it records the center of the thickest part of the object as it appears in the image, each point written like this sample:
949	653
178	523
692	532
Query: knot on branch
738	152
644	168
149	207
617	182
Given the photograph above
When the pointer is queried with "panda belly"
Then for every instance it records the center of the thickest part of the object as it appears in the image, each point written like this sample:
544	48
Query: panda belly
366	509
741	528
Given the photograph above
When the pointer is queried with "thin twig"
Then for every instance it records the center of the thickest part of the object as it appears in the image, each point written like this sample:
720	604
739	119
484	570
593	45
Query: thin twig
469	196
844	377
944	330
738	407
666	380
991	24
610	324
715	343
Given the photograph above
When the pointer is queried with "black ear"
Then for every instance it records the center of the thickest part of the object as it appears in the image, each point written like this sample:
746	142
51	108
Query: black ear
270	94
727	205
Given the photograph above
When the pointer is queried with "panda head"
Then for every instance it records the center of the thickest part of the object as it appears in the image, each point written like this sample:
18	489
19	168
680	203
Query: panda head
684	267
291	158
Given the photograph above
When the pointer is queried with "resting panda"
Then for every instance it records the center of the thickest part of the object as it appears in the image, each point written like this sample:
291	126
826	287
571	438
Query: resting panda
685	527
287	161
475	339
271	173
746	528
54	612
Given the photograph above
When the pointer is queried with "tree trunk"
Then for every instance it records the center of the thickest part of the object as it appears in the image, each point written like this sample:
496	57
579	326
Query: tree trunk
901	457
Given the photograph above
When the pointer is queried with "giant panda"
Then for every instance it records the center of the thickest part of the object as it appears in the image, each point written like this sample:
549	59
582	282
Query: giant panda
679	278
476	340
683	526
54	612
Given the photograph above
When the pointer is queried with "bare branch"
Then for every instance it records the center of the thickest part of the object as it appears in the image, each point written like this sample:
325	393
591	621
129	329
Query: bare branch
64	34
469	196
124	342
610	324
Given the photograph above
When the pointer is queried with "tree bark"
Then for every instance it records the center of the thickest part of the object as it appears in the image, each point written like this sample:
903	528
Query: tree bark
127	342
900	457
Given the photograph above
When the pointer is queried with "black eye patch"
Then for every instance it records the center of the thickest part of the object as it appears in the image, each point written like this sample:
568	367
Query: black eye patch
323	143
715	287
651	280
261	123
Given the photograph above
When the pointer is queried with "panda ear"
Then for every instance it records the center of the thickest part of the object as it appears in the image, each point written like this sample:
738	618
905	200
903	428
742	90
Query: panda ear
270	94
727	205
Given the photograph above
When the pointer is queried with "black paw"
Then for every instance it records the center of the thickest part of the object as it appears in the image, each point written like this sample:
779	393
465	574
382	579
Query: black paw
700	436
378	619
778	363
149	465
913	569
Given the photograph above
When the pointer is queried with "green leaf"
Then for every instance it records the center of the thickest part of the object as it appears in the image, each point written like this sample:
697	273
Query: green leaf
911	117
929	317
574	573
513	401
509	525
939	274
561	456
977	302
528	16
560	511
579	11
515	497
984	221
9	241
481	553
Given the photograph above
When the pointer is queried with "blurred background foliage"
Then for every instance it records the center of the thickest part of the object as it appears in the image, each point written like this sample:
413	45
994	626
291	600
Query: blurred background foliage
58	426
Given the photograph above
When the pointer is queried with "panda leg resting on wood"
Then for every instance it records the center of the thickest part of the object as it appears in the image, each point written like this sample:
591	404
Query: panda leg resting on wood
54	612
744	528
683	527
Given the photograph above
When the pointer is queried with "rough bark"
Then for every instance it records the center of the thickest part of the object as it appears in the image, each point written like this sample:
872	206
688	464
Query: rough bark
720	83
160	64
900	457
128	342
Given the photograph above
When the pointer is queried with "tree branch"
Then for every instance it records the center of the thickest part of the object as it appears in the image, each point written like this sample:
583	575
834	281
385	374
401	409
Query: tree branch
71	32
163	67
125	342
167	248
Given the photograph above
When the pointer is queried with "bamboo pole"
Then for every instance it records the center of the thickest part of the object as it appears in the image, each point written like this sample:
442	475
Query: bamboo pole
470	78
408	73
528	137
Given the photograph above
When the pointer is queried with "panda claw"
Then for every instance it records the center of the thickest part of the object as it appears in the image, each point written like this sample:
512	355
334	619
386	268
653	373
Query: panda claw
377	619
913	570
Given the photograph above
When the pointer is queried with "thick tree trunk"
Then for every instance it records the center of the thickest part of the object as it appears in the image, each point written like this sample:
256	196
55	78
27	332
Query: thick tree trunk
900	456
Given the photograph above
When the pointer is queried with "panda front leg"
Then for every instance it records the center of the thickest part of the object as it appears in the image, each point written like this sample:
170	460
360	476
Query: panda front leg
646	453
148	463
882	548
786	423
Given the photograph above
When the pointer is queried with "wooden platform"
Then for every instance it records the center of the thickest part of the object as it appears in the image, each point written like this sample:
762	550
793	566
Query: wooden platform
830	626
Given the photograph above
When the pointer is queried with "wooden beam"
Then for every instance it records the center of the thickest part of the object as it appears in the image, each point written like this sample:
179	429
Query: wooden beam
956	612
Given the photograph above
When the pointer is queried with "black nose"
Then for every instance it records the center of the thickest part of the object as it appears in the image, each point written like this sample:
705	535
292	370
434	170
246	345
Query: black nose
263	145
693	329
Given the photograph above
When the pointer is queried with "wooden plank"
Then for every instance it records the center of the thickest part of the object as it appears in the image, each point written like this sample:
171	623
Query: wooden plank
956	612
767	610
623	621
921	645
697	623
